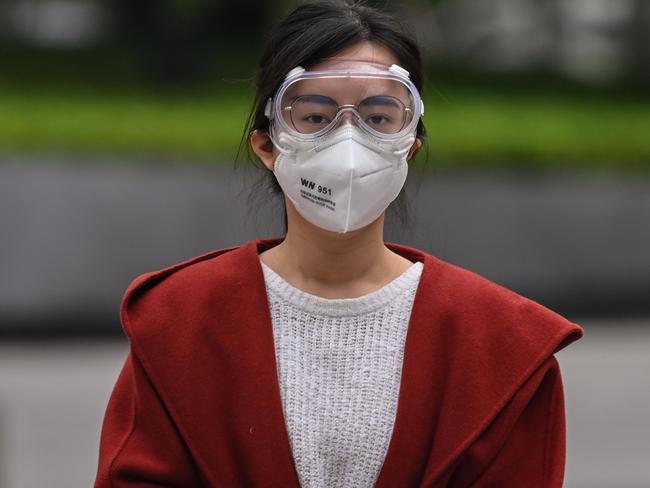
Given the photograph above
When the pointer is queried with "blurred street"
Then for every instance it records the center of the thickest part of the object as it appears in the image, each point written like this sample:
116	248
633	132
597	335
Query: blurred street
53	396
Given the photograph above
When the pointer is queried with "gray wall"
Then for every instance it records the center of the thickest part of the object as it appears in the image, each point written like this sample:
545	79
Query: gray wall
74	235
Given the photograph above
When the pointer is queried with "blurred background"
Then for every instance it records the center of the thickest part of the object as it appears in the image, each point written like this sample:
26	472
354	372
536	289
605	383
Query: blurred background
120	123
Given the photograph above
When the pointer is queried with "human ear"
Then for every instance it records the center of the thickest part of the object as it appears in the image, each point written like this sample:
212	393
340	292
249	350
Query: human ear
263	148
414	148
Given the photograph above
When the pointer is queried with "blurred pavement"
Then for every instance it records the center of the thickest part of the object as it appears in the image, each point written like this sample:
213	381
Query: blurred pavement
53	396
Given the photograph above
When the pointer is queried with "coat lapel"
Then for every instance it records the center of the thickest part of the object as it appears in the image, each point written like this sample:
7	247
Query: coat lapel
470	346
205	338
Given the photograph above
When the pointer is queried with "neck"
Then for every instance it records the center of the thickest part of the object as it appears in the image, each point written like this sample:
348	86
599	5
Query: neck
334	265
331	258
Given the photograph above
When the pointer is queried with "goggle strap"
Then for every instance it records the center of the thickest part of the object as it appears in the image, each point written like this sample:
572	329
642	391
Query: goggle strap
400	71
268	108
298	70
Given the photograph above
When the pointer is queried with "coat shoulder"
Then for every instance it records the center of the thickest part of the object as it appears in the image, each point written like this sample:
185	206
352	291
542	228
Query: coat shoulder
482	307
157	298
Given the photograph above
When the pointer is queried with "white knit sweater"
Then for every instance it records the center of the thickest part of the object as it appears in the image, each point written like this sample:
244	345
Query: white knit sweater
340	366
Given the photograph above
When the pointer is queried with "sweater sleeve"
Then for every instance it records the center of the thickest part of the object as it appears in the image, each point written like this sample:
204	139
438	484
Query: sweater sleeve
525	443
140	446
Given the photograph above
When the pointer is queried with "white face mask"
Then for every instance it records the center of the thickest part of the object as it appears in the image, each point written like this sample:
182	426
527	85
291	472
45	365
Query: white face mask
343	181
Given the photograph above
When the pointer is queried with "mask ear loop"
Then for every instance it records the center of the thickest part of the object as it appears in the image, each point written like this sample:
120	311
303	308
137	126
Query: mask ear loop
283	150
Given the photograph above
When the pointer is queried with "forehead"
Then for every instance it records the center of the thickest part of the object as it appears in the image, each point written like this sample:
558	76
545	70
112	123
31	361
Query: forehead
365	52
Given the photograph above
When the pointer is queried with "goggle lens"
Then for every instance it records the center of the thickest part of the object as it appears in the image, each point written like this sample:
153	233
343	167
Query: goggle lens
310	106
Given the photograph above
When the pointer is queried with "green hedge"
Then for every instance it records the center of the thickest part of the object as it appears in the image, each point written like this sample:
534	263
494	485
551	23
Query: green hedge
467	125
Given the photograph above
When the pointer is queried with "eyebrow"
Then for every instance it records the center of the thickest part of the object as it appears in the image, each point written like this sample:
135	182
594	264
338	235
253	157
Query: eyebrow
384	100
318	99
381	100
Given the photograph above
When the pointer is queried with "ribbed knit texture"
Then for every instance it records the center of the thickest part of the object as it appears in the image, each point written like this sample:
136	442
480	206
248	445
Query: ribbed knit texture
340	366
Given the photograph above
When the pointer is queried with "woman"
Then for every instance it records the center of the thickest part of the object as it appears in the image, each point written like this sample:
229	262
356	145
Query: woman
328	357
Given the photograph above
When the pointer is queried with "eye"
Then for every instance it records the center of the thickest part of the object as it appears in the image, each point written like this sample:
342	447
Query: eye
317	119
377	119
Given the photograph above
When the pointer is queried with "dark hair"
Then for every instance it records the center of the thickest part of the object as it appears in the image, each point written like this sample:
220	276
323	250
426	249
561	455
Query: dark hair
315	31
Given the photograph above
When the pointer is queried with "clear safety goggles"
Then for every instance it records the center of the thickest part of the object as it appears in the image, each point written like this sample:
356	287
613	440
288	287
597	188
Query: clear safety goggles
310	104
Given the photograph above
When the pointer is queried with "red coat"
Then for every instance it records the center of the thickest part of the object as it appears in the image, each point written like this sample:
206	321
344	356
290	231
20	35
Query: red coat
198	403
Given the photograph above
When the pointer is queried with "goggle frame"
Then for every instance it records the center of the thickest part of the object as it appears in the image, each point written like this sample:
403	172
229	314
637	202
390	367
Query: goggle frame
394	72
